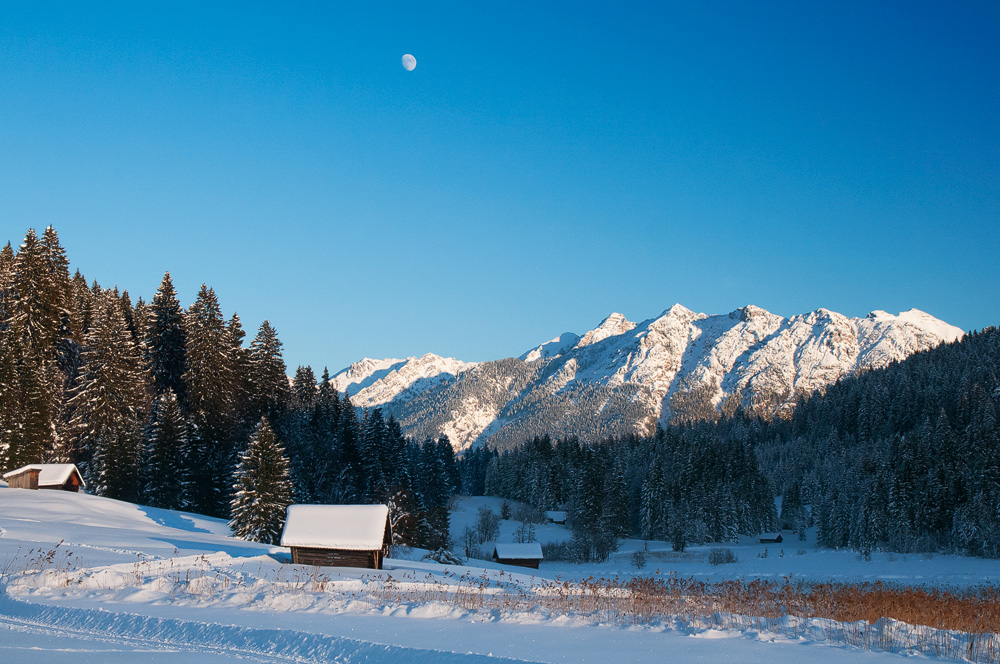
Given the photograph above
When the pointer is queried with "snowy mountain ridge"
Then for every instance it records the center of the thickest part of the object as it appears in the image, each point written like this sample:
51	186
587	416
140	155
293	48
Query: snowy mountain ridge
624	377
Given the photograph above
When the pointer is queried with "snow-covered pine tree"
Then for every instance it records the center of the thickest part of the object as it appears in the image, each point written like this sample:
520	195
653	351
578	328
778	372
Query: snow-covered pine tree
69	334
262	488
446	452
39	300
269	392
166	340
109	404
242	378
167	448
304	388
615	512
373	434
433	496
327	398
39	317
209	380
403	515
6	284
347	485
653	507
140	321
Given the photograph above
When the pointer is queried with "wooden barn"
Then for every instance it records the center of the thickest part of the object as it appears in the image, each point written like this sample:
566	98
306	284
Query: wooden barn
522	555
58	476
771	538
338	535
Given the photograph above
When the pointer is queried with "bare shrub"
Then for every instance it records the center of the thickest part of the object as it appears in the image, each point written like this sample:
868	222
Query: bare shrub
524	533
487	525
638	559
721	556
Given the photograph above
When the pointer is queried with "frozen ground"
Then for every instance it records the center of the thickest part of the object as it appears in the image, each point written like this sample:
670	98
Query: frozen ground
96	580
800	560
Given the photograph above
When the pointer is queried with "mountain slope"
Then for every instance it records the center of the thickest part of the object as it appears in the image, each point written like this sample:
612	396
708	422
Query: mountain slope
624	377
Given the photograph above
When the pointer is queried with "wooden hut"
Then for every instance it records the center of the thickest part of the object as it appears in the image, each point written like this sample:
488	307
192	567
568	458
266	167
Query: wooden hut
522	555
58	476
556	516
771	538
338	535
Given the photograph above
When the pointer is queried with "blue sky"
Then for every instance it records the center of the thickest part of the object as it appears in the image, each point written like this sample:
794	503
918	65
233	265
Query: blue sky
539	169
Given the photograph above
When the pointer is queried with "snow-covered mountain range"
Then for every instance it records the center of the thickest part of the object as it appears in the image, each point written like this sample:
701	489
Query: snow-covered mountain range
624	377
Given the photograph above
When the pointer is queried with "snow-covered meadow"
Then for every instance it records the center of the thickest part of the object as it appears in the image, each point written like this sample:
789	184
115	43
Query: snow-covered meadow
110	581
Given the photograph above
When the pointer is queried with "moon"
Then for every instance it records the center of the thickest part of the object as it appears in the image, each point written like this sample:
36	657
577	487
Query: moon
409	62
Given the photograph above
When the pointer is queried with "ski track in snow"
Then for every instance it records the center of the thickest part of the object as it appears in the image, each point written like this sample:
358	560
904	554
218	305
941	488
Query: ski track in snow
167	634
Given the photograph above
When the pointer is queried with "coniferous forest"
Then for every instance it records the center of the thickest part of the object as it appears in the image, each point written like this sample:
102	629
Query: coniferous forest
169	407
905	458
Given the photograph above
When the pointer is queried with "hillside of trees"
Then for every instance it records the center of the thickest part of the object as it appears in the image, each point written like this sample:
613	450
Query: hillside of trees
167	407
905	458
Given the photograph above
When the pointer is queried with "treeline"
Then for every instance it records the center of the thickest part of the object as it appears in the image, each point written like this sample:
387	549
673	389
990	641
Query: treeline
158	405
685	485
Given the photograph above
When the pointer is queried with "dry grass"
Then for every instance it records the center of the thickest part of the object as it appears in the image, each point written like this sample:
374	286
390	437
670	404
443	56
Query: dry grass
956	624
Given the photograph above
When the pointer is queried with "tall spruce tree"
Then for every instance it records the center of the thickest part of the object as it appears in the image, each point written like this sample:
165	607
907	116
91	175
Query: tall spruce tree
209	380
167	468
242	378
304	388
270	393
6	285
166	340
110	404
262	489
39	318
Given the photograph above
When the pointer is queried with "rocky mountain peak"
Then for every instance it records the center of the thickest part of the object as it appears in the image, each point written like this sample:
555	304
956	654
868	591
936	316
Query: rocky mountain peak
622	377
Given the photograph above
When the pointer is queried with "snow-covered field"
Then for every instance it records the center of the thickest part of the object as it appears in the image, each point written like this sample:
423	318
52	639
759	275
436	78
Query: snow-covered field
97	580
801	560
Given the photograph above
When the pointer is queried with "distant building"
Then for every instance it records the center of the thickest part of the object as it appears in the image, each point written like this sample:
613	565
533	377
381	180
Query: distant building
771	538
556	516
59	476
338	535
522	555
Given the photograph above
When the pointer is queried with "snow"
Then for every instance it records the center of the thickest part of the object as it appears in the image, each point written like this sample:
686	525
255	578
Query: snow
52	474
932	325
349	527
94	580
552	348
526	551
614	325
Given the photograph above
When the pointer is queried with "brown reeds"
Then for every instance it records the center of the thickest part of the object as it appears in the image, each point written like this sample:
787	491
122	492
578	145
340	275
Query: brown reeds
952	623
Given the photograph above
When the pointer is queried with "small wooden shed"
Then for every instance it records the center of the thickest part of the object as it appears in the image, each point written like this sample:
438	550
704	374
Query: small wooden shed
58	476
522	555
771	538
338	535
556	516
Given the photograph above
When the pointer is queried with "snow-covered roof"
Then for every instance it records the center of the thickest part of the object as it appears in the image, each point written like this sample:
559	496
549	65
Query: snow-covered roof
555	515
50	474
351	527
529	551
